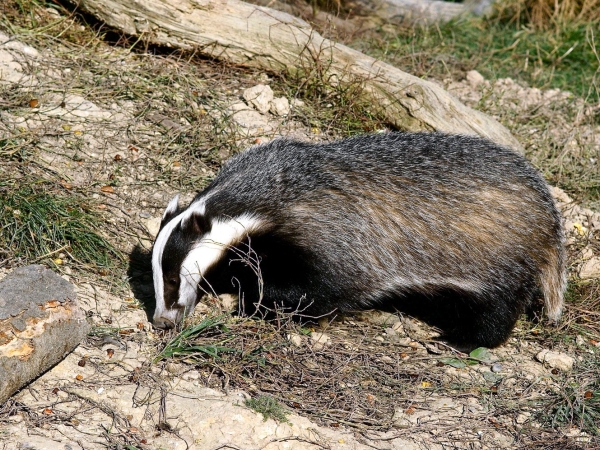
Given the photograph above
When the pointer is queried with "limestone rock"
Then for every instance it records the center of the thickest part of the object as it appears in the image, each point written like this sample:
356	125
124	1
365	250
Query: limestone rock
40	323
295	339
259	96
252	121
474	78
319	340
590	268
556	360
152	225
12	54
280	106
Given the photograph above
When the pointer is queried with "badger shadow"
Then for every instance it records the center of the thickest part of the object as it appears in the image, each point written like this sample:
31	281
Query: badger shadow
139	274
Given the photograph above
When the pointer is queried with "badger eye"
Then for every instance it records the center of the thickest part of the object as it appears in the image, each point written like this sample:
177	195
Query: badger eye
173	281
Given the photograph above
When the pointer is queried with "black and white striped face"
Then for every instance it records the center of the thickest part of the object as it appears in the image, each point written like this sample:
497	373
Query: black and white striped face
187	246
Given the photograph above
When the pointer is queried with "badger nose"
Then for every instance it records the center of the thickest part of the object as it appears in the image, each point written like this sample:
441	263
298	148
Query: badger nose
163	324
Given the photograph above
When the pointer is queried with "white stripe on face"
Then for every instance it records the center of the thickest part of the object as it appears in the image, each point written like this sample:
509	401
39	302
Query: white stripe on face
157	254
209	251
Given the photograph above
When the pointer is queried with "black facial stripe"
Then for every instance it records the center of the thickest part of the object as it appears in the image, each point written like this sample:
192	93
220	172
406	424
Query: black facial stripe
176	249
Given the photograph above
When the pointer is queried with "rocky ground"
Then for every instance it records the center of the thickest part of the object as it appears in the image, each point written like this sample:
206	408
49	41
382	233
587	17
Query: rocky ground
130	130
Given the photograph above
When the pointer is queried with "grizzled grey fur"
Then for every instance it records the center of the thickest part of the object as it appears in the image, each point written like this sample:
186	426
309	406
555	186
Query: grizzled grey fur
453	229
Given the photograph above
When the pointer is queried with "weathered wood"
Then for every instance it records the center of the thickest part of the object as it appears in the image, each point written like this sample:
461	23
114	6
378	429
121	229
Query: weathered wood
426	11
40	323
257	36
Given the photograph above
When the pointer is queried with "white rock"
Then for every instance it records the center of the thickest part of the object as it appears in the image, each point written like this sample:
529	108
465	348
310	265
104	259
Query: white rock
280	106
260	97
590	268
405	342
497	367
560	195
319	340
239	106
252	121
474	78
295	339
152	225
556	360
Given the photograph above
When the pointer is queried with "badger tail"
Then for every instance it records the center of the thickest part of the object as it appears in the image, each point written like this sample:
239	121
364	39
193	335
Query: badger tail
553	282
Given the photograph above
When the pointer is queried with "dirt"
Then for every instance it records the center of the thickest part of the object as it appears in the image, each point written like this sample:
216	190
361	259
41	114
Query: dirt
131	145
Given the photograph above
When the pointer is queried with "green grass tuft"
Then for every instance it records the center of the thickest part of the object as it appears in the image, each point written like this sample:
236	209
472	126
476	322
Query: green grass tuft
269	407
183	344
565	58
577	404
37	221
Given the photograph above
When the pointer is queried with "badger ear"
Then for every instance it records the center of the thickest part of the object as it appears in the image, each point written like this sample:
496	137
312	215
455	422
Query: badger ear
171	209
196	224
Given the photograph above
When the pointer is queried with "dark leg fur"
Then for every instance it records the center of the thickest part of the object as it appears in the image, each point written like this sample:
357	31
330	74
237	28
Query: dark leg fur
467	320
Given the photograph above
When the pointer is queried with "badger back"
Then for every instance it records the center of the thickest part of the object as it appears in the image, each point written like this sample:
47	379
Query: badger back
376	219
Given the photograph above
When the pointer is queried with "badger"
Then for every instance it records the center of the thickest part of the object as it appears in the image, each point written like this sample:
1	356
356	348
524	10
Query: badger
453	229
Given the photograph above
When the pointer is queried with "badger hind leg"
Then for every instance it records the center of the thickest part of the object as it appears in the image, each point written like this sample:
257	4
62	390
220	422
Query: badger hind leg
469	319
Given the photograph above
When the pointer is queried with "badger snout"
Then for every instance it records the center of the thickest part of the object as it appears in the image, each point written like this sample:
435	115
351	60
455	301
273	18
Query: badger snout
167	319
163	323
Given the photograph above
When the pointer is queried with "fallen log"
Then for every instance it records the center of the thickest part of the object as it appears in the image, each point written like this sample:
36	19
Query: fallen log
40	323
261	37
426	11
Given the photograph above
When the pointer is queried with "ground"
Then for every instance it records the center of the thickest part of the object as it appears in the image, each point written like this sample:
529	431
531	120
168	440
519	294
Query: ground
124	131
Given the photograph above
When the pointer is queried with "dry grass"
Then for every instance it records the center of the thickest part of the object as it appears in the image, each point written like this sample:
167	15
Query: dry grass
362	378
544	14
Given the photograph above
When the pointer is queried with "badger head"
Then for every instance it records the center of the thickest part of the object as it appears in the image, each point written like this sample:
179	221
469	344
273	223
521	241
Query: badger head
188	244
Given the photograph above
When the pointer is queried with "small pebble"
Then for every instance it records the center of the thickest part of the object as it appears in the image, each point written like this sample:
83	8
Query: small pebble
497	367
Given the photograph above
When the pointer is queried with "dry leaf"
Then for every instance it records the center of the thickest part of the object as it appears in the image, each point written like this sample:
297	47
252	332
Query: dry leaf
34	103
107	189
581	230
